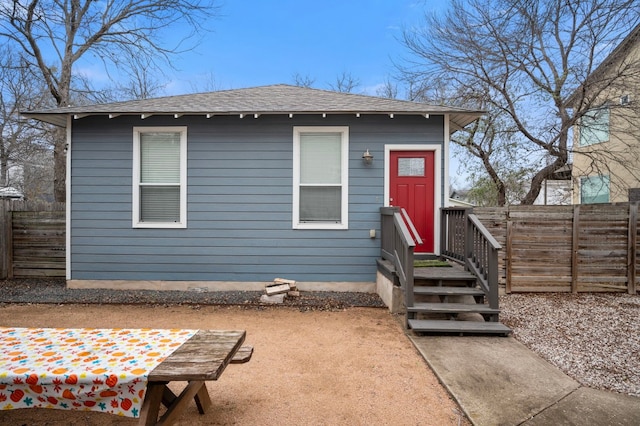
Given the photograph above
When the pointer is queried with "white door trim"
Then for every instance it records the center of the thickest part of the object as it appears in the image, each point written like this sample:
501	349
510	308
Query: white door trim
437	191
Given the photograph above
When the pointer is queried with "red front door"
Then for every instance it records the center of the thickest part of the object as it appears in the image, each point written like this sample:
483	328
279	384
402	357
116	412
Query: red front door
412	186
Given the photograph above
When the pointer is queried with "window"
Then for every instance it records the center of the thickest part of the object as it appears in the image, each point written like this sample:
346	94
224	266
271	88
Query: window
159	177
320	176
411	167
594	126
594	189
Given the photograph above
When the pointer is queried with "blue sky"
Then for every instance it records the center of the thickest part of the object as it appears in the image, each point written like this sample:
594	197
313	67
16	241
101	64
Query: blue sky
258	42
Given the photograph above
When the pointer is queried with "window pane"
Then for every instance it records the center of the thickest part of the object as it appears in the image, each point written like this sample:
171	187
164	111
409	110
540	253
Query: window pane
594	190
159	204
594	126
320	158
320	204
160	157
411	167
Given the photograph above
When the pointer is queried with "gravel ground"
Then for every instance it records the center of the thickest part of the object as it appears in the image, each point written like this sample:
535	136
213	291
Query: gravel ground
55	291
593	337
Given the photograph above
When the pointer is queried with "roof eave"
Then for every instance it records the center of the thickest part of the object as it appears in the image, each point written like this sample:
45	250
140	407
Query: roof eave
59	120
459	119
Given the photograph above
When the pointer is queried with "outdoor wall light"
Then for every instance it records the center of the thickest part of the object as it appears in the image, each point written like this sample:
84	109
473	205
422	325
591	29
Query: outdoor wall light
367	157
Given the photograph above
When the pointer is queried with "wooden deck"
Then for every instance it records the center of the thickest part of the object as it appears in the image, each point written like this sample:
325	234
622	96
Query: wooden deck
444	298
459	327
453	273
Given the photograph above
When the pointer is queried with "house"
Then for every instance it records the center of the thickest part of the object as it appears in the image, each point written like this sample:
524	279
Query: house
10	193
227	190
607	137
556	191
459	198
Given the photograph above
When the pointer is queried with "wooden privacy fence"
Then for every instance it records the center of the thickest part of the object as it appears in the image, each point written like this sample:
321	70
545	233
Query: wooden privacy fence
544	248
581	248
32	239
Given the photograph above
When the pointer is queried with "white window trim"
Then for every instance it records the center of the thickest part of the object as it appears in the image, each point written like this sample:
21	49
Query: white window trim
136	177
344	131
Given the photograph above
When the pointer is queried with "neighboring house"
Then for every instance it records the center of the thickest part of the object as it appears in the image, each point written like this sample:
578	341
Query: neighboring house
459	198
10	193
607	138
556	191
230	189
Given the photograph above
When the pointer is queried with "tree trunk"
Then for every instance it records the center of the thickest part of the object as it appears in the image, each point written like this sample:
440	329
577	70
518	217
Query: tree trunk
4	163
60	165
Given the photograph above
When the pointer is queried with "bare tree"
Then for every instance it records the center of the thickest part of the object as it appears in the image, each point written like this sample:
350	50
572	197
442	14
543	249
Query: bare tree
22	142
53	35
389	90
205	83
303	80
345	83
524	60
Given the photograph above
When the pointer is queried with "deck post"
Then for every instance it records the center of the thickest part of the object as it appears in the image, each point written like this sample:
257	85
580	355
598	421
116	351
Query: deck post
468	241
493	277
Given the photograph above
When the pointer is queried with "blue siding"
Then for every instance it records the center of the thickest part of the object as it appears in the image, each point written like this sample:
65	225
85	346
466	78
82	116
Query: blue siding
239	201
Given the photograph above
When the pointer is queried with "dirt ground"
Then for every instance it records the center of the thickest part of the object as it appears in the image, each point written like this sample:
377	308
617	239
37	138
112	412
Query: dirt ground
348	367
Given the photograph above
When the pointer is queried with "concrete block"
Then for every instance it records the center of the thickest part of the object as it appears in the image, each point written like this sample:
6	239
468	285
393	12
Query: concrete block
272	300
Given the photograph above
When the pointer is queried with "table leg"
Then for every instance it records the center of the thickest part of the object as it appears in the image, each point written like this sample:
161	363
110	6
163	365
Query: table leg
151	404
203	401
168	397
180	403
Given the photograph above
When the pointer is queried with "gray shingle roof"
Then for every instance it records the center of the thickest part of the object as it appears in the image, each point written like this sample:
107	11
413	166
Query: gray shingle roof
275	99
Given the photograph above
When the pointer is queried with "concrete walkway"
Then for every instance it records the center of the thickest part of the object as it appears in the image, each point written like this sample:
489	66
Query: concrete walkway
498	381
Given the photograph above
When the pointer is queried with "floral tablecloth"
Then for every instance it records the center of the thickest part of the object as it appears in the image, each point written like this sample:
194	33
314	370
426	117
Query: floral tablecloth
81	369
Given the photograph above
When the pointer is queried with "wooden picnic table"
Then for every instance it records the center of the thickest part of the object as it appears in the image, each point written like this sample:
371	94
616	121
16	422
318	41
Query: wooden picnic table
201	358
106	369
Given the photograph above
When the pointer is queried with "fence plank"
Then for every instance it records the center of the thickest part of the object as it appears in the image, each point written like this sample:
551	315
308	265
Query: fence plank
10	245
33	239
509	249
603	247
582	248
38	244
574	248
632	245
5	228
495	220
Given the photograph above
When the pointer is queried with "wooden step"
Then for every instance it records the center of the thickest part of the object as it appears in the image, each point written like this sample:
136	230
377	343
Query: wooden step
468	327
447	291
452	308
443	274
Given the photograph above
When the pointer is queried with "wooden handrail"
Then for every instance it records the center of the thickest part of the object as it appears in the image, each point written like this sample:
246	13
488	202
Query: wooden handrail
490	239
464	239
398	246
